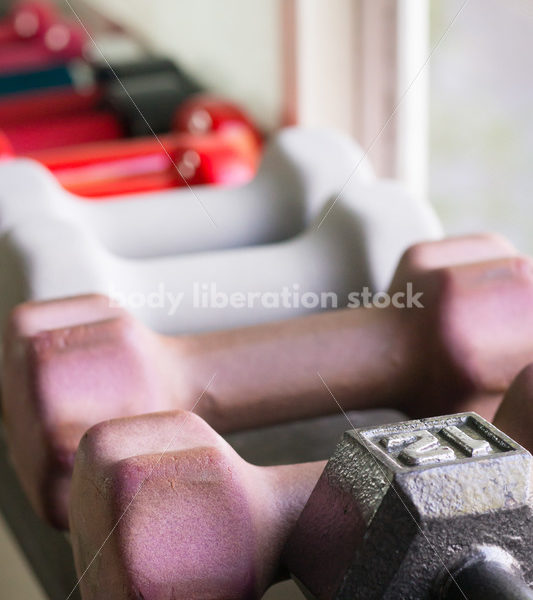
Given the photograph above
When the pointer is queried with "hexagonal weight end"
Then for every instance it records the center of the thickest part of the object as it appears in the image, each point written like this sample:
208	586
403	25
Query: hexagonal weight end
398	503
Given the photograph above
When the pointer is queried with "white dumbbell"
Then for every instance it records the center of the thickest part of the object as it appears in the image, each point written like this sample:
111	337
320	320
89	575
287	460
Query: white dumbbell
300	171
355	244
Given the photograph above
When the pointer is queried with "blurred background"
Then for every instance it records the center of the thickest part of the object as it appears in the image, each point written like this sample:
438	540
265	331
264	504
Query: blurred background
481	109
457	129
337	64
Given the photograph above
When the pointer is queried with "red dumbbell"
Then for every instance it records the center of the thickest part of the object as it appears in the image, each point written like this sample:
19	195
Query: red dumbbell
228	154
203	113
59	131
226	119
60	42
28	20
143	100
106	124
6	150
175	160
24	108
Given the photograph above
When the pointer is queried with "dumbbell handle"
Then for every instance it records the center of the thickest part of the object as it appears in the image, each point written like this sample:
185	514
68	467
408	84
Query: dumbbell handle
364	356
115	154
157	165
486	580
299	173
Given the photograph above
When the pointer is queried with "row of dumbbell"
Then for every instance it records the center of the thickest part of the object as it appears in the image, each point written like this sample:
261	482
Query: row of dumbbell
46	107
188	518
398	510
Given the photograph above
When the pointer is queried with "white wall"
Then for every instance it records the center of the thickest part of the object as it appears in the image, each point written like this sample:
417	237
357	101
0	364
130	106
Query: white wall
482	118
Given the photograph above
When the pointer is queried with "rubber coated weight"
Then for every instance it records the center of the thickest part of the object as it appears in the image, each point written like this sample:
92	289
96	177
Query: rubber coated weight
301	170
340	252
203	113
47	104
63	131
27	20
205	524
35	85
147	65
148	114
152	89
60	42
227	155
144	164
81	76
86	361
515	414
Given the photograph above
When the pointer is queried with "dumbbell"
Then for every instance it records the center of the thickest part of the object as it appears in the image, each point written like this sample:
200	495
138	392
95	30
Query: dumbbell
141	104
86	361
515	413
66	130
418	510
61	41
36	106
230	160
33	87
36	36
27	20
161	508
226	121
300	171
43	259
228	157
207	524
204	113
33	94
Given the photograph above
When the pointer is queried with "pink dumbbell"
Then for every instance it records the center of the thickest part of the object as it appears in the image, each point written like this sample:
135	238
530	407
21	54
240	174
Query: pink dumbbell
195	520
86	362
515	414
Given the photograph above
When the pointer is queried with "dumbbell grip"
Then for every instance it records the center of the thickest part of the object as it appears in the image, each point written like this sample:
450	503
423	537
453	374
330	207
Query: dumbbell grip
364	357
486	580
